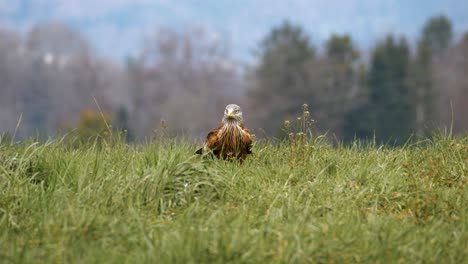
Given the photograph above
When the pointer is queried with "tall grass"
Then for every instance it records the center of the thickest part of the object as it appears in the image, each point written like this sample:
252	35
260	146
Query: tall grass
300	201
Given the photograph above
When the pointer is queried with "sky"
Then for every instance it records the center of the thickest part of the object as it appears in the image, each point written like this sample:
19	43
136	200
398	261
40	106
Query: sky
116	28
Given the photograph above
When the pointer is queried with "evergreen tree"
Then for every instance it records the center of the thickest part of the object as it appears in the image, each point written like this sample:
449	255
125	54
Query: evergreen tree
421	87
341	51
437	33
388	113
281	80
389	92
436	37
357	122
341	85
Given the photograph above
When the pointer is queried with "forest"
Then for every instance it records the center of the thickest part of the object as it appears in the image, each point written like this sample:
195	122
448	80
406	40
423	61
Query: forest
52	82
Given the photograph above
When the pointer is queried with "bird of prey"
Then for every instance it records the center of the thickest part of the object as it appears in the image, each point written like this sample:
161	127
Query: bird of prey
231	140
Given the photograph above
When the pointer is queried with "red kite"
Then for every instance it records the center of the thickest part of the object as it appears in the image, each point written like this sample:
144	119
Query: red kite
231	139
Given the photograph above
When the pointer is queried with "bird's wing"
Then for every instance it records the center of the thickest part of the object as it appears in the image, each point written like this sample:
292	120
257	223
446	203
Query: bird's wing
212	140
247	138
211	143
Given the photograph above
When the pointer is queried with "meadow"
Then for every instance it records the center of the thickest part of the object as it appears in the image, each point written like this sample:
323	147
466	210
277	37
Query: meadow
294	201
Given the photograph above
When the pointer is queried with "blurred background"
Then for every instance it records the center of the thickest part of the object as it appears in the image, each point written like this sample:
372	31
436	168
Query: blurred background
390	68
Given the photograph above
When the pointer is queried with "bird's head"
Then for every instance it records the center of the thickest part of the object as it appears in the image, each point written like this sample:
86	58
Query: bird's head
232	113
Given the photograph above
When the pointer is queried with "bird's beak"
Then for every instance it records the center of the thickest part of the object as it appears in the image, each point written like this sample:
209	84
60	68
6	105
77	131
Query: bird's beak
231	115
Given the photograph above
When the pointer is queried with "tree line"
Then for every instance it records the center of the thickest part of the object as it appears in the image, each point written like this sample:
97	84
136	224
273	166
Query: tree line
399	92
51	80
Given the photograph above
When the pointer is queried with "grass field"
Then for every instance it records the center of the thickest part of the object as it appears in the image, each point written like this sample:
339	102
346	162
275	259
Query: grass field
299	202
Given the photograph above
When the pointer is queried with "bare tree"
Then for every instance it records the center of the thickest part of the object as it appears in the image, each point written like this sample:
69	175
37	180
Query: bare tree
451	84
50	76
12	67
184	78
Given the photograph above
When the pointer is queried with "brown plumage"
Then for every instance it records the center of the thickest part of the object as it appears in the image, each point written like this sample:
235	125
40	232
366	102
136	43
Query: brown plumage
231	139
